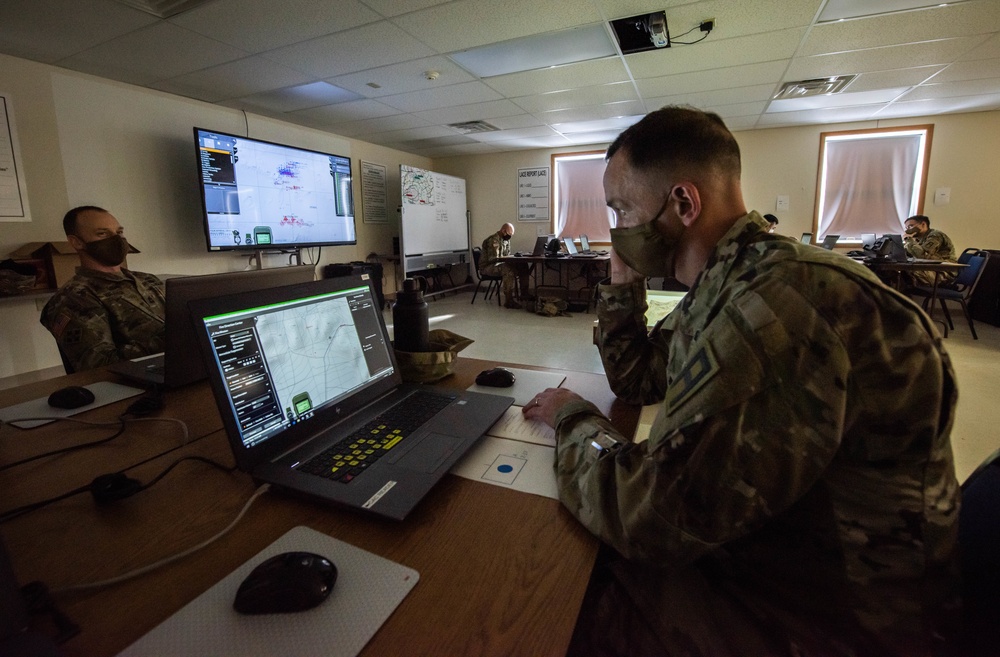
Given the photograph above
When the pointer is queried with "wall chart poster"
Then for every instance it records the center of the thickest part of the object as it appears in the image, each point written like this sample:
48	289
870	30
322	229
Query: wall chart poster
13	191
533	194
373	193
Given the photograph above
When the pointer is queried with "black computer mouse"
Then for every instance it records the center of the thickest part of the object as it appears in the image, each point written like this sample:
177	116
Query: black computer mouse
71	397
286	583
497	377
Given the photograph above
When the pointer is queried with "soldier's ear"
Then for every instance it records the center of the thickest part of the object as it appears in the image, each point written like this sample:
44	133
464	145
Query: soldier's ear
76	242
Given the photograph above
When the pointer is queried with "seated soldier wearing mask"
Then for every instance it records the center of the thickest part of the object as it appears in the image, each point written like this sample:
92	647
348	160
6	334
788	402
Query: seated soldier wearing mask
105	313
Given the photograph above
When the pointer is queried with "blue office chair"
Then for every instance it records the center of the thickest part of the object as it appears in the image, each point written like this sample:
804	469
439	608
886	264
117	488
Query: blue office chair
960	289
492	282
979	546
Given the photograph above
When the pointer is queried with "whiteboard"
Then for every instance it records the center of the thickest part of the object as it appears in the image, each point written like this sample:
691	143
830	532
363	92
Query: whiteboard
434	212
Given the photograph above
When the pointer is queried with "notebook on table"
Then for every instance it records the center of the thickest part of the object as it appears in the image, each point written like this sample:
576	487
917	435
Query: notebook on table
181	362
312	398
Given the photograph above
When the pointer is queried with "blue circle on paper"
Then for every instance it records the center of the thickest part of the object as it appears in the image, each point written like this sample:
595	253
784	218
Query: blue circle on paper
505	468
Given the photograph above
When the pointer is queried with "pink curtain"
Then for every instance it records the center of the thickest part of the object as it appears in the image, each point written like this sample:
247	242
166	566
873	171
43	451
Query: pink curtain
869	185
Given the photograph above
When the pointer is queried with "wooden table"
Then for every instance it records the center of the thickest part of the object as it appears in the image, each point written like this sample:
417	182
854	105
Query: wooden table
539	264
501	572
938	267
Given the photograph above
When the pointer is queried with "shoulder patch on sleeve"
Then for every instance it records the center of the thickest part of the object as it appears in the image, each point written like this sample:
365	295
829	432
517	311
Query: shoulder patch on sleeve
698	371
62	321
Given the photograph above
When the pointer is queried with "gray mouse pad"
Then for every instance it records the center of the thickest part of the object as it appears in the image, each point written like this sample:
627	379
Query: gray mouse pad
368	590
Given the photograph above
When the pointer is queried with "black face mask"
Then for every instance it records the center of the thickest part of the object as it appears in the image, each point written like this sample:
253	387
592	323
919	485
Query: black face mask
109	251
505	238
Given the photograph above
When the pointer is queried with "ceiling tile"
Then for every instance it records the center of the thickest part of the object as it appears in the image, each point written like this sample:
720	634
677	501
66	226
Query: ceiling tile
987	86
907	27
351	111
233	80
50	30
593	112
470	23
556	78
157	52
760	92
834	115
581	97
989	49
739	18
303	96
403	77
396	8
520	133
513	122
931	106
395	123
715	54
723	78
378	44
238	22
464	93
906	77
880	59
472	112
974	70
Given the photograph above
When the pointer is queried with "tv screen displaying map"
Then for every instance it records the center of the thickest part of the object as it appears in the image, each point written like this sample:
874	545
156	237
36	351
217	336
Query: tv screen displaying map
261	195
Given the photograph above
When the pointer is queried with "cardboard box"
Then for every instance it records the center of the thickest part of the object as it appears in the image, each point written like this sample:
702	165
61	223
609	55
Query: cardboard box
59	261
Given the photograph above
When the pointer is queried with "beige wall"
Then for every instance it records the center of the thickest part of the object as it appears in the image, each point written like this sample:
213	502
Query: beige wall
783	161
85	140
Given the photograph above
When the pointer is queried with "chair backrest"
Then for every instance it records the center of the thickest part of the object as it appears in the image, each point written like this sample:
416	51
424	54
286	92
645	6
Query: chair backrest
979	544
476	252
970	275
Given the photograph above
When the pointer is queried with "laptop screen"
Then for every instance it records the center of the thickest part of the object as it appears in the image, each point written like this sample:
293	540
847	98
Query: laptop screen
867	240
584	243
540	243
288	359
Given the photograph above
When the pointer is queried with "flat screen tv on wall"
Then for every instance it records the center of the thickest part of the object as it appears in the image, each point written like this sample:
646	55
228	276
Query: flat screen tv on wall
259	195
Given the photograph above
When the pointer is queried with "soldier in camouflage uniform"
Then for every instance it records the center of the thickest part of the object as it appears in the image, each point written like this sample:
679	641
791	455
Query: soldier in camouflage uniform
105	313
497	246
922	241
797	493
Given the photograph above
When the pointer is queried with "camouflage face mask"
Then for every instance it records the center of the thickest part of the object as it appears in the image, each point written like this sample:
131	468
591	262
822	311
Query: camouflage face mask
110	251
645	249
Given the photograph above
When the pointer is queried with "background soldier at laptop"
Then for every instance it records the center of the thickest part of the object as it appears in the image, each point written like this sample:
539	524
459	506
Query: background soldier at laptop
105	313
922	241
497	246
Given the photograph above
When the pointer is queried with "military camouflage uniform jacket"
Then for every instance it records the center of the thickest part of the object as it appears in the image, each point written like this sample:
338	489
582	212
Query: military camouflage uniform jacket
99	318
494	248
932	245
801	457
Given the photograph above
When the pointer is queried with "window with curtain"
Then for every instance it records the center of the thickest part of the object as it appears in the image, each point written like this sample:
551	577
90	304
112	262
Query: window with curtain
578	190
870	181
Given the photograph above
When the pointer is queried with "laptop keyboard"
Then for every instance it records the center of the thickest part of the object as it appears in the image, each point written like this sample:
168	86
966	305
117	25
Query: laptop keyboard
356	453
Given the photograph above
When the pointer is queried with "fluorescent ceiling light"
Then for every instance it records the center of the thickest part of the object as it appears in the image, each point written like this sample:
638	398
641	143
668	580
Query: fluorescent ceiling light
836	100
538	51
837	10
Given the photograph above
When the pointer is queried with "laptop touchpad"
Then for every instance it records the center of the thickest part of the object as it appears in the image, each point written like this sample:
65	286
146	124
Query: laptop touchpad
434	448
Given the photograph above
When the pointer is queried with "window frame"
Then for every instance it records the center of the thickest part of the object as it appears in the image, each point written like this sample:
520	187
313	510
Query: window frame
554	159
921	170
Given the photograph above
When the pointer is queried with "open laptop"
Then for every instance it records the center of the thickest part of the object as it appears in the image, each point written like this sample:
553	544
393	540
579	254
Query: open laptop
305	379
867	240
585	246
181	362
572	251
806	238
830	241
540	242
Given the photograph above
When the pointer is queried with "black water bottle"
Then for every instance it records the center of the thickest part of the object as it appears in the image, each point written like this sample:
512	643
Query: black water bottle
409	318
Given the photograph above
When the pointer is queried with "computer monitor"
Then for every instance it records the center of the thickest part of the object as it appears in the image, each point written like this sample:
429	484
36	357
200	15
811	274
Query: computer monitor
806	238
584	244
867	240
261	195
570	246
830	241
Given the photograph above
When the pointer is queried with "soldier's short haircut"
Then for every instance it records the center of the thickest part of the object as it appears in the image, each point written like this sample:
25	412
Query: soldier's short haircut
69	221
921	219
679	140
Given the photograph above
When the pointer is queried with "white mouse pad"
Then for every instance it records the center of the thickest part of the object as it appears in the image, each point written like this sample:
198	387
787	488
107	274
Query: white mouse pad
105	392
527	384
368	590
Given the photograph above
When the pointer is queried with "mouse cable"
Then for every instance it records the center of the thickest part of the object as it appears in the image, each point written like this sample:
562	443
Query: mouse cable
110	487
120	423
168	560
